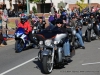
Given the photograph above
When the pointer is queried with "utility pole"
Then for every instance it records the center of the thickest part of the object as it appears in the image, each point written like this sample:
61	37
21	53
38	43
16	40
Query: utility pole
89	3
27	7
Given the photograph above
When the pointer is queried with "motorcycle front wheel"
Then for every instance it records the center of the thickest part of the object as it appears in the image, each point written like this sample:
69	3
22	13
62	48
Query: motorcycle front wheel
19	46
88	37
47	64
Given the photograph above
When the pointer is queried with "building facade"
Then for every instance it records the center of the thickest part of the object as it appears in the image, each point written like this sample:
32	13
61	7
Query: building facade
46	8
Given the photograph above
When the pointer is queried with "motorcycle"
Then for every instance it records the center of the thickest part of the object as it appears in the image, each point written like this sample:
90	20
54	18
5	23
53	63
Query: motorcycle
89	33
51	52
22	40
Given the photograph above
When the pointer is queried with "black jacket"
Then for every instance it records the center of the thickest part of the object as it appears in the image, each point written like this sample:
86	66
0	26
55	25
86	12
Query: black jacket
48	33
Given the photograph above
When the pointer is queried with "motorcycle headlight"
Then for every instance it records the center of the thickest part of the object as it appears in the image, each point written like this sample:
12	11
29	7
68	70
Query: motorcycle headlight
34	27
18	34
89	25
41	43
48	42
74	32
32	31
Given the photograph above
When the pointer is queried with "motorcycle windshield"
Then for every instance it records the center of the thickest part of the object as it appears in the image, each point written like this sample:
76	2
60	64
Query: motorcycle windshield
20	30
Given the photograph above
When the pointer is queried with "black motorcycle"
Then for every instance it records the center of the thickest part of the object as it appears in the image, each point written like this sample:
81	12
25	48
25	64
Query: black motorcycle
89	33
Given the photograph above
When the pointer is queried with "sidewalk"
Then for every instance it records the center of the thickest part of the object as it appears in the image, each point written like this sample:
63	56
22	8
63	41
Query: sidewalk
11	41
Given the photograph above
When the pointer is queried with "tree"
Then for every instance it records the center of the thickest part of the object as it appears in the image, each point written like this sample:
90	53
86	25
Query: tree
34	9
81	4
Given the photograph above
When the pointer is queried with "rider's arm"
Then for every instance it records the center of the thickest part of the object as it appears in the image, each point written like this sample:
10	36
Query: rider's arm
29	27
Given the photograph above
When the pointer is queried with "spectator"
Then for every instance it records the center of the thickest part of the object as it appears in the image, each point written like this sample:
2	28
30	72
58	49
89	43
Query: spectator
51	19
53	10
5	11
0	21
66	6
4	23
1	39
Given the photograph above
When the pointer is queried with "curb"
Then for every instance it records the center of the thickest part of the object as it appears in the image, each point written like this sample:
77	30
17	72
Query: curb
10	42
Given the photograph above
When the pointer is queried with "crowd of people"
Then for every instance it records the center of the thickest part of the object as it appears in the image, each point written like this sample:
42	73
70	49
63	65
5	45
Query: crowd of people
63	22
3	26
66	16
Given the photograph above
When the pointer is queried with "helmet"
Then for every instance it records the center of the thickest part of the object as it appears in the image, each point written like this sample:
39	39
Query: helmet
23	18
92	14
63	17
59	21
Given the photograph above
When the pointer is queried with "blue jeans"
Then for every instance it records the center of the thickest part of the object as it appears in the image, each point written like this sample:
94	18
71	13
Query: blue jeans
80	32
80	39
66	48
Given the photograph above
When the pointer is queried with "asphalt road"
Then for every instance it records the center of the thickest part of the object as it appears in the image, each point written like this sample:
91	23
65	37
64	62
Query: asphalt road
85	62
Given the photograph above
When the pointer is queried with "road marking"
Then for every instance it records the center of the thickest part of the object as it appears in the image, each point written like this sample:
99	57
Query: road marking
18	66
91	63
98	48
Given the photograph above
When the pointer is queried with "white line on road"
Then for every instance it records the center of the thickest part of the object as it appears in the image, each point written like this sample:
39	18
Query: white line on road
18	66
91	63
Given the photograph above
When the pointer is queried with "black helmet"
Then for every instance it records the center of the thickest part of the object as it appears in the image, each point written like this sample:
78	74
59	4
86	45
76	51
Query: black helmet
92	14
59	21
63	17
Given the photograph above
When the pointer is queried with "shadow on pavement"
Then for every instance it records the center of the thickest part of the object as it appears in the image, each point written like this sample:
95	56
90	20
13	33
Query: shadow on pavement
39	65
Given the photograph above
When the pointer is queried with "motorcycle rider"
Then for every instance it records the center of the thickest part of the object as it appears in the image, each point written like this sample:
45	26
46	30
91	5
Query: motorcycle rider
66	45
79	25
92	18
41	24
73	23
95	24
96	29
24	23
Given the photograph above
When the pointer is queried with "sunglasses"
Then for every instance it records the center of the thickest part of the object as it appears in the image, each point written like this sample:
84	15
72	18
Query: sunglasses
59	22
